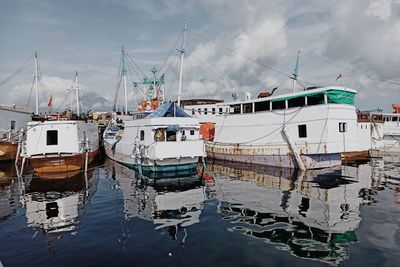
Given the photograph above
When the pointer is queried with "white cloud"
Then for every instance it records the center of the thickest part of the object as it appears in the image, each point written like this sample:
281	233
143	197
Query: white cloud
380	9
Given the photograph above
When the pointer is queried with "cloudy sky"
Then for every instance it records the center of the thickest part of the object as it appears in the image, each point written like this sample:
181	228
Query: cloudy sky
232	46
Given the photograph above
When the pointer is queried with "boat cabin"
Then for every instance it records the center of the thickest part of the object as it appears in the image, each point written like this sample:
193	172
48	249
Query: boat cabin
318	96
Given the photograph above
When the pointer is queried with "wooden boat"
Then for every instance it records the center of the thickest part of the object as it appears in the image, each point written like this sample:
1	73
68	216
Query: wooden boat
60	143
60	146
17	119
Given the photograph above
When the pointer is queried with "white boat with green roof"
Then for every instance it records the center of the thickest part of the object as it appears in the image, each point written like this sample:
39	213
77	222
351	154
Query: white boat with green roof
307	129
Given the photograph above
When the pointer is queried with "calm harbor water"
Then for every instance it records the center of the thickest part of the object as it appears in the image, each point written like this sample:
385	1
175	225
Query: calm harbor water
234	215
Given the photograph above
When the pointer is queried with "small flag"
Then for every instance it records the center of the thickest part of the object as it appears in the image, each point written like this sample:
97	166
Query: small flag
339	76
50	103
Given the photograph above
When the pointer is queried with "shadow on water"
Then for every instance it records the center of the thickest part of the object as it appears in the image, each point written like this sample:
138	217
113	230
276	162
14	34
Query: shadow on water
312	215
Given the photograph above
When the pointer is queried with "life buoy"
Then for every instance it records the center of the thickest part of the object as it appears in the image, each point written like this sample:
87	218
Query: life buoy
154	104
143	105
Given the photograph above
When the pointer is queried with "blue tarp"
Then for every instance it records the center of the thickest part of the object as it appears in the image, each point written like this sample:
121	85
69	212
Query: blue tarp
168	110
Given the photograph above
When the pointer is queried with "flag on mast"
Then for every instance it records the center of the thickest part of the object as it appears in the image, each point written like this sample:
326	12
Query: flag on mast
50	103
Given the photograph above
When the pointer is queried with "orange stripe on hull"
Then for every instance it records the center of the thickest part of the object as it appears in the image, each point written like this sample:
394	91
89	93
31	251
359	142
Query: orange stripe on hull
60	163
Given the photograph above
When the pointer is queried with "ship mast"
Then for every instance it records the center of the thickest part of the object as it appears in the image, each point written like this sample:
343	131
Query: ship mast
36	86
296	72
123	73
182	50
77	93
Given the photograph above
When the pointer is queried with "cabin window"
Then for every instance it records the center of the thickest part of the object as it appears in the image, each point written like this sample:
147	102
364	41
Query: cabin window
248	108
12	125
192	111
159	135
297	102
279	104
199	110
52	138
141	135
213	110
342	127
315	100
302	130
261	106
205	111
171	136
191	132
236	109
220	111
183	132
394	119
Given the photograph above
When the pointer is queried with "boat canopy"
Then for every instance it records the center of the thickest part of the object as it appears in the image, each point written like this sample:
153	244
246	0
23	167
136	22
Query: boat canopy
168	110
334	96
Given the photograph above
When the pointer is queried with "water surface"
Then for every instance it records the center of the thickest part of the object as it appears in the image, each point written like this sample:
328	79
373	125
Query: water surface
231	215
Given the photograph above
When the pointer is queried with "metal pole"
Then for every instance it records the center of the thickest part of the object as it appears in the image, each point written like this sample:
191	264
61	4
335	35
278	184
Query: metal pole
36	86
181	71
126	95
77	93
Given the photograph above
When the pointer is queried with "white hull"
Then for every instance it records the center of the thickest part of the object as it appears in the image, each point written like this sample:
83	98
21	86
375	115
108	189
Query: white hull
166	144
316	133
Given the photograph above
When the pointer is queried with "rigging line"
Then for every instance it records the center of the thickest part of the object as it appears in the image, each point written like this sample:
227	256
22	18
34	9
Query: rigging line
216	73
236	53
170	52
30	91
321	59
134	69
62	103
118	82
27	63
134	63
270	133
196	69
248	58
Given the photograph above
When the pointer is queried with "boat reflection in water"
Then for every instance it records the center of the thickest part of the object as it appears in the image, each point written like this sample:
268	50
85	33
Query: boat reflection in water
172	204
9	191
54	202
312	215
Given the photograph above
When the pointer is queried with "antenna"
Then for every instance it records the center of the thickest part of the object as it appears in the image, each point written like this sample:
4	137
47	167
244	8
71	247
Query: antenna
296	72
182	50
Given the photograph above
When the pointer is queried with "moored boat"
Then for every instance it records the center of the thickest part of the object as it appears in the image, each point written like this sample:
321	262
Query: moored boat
166	140
391	131
307	129
60	146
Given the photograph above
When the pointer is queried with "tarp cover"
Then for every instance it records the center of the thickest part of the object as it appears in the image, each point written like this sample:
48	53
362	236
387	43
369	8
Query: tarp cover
334	96
340	97
168	110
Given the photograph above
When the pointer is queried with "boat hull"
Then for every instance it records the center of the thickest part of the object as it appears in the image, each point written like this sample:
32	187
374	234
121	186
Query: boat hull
355	156
310	161
60	163
8	150
166	167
